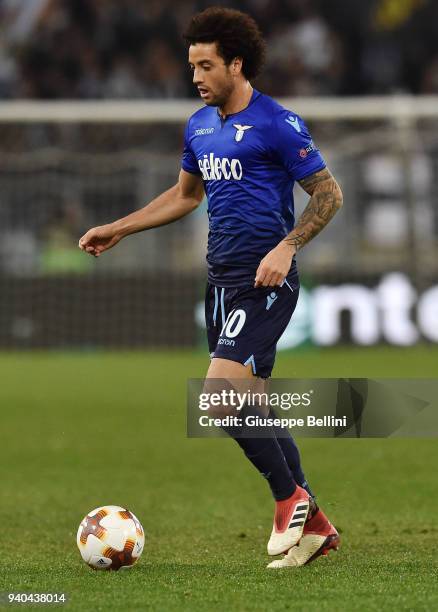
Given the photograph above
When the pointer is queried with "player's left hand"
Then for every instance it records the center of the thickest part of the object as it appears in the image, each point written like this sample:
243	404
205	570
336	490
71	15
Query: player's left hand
275	266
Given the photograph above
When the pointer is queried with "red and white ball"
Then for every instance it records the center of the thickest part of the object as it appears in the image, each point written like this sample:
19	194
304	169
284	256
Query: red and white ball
110	538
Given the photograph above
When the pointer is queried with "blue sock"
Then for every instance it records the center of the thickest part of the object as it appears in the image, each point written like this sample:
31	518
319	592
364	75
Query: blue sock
262	448
291	454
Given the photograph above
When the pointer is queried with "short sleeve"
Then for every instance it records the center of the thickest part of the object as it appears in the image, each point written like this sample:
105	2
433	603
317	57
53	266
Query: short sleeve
189	162
293	146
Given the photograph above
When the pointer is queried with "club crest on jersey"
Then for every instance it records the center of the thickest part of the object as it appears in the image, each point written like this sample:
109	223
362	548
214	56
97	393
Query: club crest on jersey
241	129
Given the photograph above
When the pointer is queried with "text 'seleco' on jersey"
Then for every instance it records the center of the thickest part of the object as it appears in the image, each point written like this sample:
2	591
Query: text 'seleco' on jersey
249	162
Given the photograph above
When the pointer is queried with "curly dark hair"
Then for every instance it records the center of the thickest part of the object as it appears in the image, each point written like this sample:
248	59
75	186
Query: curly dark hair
236	34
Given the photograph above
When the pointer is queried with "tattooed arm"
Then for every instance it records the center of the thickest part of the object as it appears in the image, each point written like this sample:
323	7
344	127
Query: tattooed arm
325	201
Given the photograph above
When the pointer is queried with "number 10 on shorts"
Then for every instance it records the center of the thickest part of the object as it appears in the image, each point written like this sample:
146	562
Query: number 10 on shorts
234	323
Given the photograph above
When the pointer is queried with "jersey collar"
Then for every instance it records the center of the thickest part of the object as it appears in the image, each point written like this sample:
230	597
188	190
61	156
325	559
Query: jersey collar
255	95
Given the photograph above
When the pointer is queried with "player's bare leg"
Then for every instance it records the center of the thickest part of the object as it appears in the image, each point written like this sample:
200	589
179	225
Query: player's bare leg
230	370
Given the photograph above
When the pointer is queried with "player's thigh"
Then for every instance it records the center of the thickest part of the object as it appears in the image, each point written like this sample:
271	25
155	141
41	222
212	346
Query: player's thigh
225	375
228	369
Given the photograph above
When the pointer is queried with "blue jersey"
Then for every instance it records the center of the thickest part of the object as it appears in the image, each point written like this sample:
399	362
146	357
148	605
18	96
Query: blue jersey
249	162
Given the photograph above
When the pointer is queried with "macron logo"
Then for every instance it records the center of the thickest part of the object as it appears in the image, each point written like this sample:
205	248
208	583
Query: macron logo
270	299
204	131
293	121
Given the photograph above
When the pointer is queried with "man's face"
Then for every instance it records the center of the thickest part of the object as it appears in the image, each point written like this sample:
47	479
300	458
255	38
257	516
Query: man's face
211	75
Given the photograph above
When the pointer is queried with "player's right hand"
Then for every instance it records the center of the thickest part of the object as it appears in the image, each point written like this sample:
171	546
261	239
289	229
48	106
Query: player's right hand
99	239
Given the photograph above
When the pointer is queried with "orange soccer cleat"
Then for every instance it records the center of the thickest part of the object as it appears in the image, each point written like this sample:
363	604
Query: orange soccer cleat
319	537
289	519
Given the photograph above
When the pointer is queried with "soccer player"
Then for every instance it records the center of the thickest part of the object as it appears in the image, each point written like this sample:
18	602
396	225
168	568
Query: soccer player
245	151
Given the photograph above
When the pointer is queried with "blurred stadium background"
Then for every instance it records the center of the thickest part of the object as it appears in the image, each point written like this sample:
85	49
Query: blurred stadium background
95	95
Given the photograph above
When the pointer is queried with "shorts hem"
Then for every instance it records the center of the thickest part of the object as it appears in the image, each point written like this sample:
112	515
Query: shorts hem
258	371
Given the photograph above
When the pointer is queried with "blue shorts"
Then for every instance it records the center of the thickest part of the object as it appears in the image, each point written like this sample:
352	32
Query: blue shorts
244	324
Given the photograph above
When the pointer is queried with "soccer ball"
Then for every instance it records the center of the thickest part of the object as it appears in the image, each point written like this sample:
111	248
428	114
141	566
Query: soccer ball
110	538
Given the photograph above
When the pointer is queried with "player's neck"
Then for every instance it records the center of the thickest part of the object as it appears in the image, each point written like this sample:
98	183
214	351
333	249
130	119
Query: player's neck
238	100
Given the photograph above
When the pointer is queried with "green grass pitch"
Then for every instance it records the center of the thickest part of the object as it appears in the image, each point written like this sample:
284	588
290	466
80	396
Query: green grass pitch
83	430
